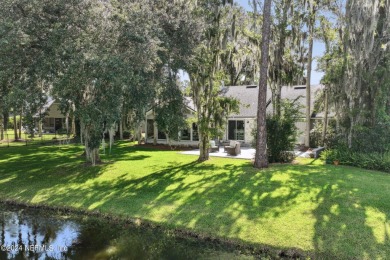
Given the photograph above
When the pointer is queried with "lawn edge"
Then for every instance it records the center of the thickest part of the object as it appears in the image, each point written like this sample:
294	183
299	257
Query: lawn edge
259	251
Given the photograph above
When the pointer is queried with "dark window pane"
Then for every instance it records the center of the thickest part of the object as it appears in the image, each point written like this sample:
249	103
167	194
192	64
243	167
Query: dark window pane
185	134
195	135
161	135
150	129
232	130
240	131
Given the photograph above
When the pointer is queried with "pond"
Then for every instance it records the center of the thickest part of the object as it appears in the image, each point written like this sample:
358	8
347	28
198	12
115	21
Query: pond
27	233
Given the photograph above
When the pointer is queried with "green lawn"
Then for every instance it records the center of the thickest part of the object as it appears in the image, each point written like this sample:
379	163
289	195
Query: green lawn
327	211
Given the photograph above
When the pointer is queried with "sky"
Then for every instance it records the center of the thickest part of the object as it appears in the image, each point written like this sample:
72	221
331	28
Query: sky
318	51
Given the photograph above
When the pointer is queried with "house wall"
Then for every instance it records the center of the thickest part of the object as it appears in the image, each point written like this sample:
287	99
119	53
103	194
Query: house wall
53	119
301	125
249	126
54	111
150	116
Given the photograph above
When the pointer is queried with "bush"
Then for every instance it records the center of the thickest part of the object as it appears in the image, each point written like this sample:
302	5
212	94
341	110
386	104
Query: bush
126	134
371	161
280	138
375	139
282	133
62	131
316	134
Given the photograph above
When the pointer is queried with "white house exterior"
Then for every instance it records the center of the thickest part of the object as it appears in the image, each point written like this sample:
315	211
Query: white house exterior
188	137
54	119
239	126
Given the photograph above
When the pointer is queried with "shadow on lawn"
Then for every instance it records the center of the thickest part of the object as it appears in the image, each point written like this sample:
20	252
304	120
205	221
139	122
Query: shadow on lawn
212	197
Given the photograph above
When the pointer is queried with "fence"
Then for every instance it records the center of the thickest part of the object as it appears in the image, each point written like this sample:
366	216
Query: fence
25	139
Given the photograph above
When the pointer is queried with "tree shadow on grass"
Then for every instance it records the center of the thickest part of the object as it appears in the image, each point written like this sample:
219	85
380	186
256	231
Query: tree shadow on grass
318	209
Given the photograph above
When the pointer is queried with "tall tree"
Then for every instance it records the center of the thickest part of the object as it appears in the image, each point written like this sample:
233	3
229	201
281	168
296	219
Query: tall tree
261	158
207	75
312	6
366	62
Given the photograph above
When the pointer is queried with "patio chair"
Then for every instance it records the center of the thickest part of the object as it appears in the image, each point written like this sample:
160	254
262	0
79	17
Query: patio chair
213	148
231	144
233	149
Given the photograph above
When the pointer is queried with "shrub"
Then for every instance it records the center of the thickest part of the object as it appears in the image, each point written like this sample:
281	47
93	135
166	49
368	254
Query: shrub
127	134
280	138
282	132
316	134
374	139
370	161
62	131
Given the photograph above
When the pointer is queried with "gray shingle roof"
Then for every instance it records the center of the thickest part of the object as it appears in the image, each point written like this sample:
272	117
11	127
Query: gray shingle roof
248	99
248	95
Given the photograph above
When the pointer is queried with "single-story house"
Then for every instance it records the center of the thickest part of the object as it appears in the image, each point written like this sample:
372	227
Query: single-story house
53	120
240	125
187	137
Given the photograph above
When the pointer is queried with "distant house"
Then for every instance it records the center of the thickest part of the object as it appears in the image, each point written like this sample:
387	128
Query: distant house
54	120
186	137
239	126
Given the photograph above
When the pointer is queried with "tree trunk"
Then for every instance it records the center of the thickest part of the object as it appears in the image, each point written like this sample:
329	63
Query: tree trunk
278	97
5	121
20	124
324	128
40	127
139	130
308	92
73	125
93	156
15	128
155	130
1	127
67	124
261	158
203	148
121	129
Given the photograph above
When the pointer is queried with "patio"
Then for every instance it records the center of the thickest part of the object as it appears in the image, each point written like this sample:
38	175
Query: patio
246	153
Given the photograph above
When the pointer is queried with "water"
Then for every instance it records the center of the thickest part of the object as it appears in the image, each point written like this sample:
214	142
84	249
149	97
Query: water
38	234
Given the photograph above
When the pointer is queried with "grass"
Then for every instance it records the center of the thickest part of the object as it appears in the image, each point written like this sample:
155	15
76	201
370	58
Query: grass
327	211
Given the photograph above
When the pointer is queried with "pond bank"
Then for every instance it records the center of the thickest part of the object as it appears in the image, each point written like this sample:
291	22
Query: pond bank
215	247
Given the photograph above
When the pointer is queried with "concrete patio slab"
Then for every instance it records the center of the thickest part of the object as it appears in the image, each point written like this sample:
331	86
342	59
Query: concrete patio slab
246	153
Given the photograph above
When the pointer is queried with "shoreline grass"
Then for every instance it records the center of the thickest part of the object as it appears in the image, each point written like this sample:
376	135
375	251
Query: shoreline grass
323	210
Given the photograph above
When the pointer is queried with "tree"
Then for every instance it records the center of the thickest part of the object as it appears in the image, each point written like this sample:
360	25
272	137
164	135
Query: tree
366	62
207	75
115	53
261	158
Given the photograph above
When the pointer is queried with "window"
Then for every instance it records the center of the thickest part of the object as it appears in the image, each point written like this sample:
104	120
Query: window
58	123
161	135
236	130
185	134
51	122
150	128
195	134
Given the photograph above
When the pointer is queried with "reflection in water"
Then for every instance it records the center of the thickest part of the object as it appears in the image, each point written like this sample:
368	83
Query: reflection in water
35	234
